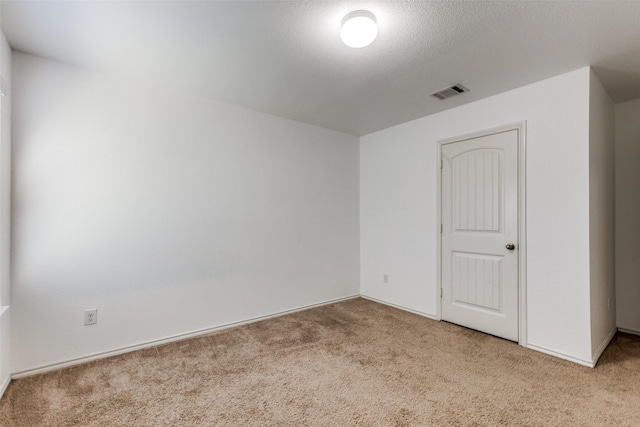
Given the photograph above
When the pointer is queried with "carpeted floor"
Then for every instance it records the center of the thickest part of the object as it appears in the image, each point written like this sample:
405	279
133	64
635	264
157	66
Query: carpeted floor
355	363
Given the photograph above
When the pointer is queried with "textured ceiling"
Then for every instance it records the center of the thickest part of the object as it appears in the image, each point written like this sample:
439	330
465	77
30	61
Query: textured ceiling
285	57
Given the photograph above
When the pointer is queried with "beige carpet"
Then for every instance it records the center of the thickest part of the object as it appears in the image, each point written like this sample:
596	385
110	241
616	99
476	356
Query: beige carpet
352	363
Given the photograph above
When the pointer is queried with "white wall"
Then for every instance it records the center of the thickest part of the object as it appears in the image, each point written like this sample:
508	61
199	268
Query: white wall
167	214
601	216
5	213
398	207
627	195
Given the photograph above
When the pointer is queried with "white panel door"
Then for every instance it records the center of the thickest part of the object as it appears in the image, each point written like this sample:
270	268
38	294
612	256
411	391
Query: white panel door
479	233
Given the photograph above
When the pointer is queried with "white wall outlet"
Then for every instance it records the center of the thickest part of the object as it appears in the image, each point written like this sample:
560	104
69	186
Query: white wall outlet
385	279
90	317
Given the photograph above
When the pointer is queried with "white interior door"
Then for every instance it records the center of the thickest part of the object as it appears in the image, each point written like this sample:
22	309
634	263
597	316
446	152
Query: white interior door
479	233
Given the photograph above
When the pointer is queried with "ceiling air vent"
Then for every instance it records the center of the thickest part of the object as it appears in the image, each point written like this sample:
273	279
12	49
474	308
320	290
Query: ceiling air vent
448	92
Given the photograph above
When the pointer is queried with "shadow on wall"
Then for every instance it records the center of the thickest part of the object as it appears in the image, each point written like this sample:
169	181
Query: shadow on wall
627	85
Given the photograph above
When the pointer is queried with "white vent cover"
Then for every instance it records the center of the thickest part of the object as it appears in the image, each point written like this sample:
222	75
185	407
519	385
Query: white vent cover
450	91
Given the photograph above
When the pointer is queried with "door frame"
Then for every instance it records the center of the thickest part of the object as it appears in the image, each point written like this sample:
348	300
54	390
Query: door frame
521	128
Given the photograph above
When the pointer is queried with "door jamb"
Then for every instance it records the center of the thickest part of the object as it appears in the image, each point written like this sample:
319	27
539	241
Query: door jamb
521	127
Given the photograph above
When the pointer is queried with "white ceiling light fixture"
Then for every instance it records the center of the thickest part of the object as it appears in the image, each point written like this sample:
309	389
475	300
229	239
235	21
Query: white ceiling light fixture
359	29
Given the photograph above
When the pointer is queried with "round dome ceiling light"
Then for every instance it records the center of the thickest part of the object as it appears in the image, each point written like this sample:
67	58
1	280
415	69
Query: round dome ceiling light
359	29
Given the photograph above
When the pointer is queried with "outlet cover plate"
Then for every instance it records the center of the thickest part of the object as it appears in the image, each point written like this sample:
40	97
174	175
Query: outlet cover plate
90	317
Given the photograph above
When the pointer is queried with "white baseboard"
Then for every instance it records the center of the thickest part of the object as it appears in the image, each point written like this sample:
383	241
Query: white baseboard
4	385
573	359
400	307
629	331
166	340
601	348
192	334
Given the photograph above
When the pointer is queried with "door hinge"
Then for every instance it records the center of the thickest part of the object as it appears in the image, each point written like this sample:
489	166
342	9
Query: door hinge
440	292
441	164
440	228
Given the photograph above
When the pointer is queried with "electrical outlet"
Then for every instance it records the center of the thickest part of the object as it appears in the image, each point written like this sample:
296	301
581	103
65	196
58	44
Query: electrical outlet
90	317
385	279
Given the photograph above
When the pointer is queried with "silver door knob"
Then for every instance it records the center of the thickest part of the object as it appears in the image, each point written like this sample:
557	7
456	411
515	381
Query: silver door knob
511	246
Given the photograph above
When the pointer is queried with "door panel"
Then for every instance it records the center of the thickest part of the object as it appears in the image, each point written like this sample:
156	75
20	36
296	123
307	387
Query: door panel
476	200
476	280
479	219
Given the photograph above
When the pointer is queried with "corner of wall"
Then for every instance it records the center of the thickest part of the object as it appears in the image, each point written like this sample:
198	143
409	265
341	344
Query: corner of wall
5	212
601	216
